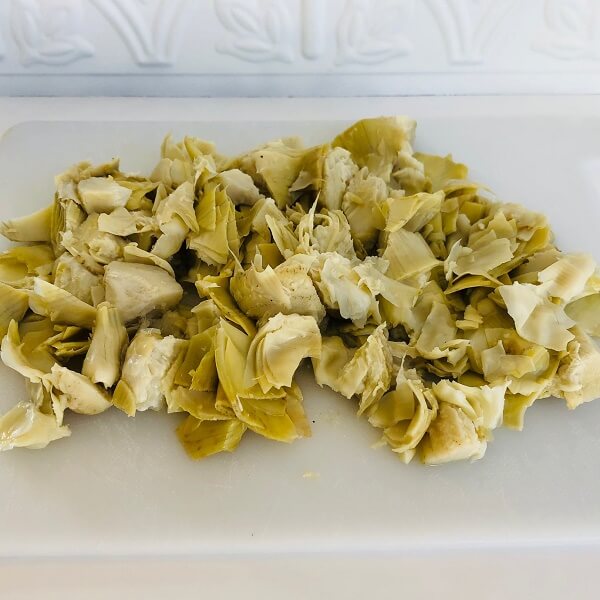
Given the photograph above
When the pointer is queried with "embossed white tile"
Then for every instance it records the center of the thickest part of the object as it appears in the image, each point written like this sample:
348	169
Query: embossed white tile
298	47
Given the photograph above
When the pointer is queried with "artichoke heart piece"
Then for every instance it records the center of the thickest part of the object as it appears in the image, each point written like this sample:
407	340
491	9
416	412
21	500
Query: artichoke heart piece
138	289
13	306
77	392
102	362
201	438
25	426
278	348
102	194
32	228
59	305
148	359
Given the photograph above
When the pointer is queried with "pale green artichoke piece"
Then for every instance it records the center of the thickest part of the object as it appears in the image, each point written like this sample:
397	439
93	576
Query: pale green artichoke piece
586	313
13	306
329	365
567	277
91	246
32	228
441	170
102	362
133	254
59	305
278	348
536	318
239	186
369	372
70	275
217	237
338	170
364	205
340	288
217	289
179	203
13	355
451	436
412	212
25	426
102	194
77	392
287	289
408	255
577	378
148	358
375	143
136	289
19	265
200	405
123	222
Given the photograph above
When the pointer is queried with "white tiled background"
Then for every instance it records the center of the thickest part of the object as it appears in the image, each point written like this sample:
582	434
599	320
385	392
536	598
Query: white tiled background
291	47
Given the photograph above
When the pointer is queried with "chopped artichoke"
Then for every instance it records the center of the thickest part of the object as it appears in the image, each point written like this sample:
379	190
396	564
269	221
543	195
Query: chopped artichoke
102	362
278	348
147	361
102	194
444	312
13	306
61	306
32	228
136	289
77	392
25	426
203	438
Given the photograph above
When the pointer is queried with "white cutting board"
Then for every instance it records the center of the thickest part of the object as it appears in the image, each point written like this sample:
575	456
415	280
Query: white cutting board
124	486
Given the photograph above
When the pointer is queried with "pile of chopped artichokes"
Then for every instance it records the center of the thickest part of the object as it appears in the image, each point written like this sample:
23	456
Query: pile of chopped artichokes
200	289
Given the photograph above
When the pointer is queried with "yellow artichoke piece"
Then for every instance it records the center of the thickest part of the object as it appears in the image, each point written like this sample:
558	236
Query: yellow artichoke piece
369	372
91	246
25	426
567	277
138	289
341	289
32	228
133	254
204	438
200	405
217	238
217	289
